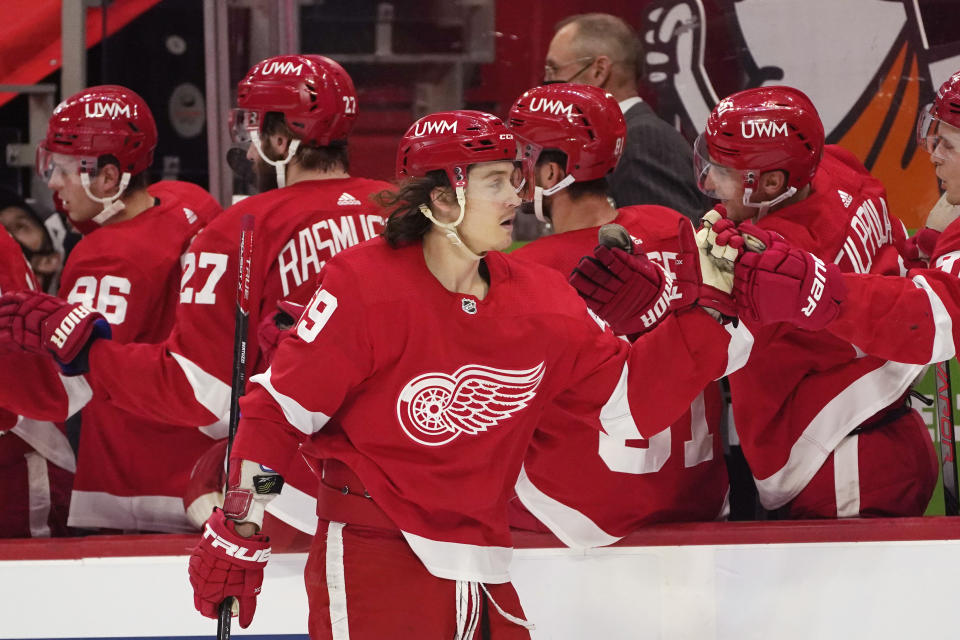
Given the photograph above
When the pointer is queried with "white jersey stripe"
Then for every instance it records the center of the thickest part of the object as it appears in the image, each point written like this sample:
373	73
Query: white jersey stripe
95	509
336	582
943	346
741	344
212	393
846	477
573	528
38	488
615	416
460	561
845	411
48	440
296	508
309	422
78	393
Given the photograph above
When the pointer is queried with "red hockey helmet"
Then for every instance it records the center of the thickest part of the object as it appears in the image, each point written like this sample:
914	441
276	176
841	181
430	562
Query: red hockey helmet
99	121
758	130
314	94
584	122
452	141
945	109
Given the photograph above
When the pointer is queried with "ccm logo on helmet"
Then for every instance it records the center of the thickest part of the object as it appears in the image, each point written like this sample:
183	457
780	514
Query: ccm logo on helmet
282	68
436	126
68	323
234	550
551	106
108	109
816	288
763	129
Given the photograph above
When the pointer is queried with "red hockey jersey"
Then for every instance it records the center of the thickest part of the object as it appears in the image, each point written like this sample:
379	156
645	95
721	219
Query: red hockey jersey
910	319
194	198
131	471
802	392
431	397
186	379
36	460
590	488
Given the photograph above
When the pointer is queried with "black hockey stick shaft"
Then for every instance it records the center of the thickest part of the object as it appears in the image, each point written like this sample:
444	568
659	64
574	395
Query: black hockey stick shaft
945	434
241	323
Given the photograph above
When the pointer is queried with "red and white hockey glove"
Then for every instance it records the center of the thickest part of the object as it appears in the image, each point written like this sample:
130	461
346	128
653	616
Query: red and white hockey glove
41	323
225	564
699	279
786	284
277	325
629	291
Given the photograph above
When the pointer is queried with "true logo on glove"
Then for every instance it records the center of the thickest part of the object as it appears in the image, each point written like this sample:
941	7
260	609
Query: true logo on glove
816	289
235	550
68	324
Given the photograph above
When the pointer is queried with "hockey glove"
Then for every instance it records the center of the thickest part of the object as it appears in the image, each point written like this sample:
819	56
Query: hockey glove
699	281
786	284
41	323
225	564
919	247
629	291
276	325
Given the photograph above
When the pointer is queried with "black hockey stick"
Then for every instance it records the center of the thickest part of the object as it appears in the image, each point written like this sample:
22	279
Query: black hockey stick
241	321
948	449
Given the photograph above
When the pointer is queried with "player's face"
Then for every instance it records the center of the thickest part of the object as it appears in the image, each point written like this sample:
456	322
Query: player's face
492	203
726	185
24	228
945	156
64	179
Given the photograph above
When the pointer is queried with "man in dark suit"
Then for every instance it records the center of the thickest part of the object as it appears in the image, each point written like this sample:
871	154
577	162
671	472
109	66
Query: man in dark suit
657	164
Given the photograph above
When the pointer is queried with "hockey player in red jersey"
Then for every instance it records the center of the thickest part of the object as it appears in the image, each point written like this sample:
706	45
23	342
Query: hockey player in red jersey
414	381
679	473
910	319
36	461
827	431
295	112
98	147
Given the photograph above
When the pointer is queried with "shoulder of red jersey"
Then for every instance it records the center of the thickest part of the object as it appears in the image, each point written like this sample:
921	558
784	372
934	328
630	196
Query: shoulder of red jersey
820	223
650	223
534	288
188	195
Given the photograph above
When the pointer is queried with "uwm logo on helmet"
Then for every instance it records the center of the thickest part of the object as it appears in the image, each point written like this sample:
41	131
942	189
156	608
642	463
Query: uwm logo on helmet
435	126
106	110
555	107
763	129
281	69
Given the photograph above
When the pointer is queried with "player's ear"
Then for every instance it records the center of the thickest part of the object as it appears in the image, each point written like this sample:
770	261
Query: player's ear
109	178
549	174
599	72
444	204
773	183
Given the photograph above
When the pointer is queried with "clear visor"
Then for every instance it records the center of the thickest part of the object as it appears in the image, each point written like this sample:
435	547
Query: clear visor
49	163
528	153
714	180
499	182
242	122
935	136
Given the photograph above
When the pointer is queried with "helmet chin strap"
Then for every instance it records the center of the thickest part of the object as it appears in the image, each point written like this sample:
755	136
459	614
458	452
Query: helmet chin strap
764	206
539	192
112	205
279	165
450	228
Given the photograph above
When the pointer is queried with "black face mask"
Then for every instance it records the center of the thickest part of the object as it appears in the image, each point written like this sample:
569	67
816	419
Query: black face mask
571	78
